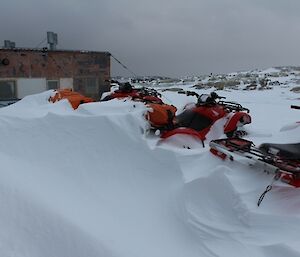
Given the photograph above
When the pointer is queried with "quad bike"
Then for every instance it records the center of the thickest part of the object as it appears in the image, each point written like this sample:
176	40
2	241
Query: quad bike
281	160
160	115
125	90
199	119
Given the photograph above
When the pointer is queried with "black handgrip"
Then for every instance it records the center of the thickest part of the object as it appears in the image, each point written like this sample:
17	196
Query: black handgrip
295	107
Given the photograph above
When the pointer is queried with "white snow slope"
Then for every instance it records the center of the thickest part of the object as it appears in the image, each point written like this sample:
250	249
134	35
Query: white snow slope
90	182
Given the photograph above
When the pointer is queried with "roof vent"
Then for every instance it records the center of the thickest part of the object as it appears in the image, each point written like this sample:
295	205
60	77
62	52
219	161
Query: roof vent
52	40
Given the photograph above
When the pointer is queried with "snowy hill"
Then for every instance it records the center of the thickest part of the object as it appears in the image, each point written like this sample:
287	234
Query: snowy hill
92	182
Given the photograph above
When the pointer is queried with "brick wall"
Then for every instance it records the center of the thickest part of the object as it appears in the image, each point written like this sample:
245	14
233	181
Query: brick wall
57	64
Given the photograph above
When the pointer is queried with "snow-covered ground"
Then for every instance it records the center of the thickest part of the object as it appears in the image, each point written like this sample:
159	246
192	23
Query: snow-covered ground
92	182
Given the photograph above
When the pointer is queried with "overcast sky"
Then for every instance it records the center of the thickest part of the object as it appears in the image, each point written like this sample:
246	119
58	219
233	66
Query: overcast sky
164	37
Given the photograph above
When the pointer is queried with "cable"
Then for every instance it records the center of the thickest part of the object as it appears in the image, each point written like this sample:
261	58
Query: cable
123	65
268	188
41	42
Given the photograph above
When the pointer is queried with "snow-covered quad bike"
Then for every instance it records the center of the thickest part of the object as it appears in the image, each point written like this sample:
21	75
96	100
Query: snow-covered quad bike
126	90
280	160
160	114
199	119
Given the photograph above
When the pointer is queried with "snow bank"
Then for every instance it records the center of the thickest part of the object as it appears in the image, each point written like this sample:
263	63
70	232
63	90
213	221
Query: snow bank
86	183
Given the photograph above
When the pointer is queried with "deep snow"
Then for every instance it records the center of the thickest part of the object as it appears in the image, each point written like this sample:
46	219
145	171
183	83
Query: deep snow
93	182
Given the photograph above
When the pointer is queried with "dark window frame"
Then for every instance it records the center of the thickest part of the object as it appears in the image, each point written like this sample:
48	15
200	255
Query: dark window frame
14	93
83	85
51	81
91	86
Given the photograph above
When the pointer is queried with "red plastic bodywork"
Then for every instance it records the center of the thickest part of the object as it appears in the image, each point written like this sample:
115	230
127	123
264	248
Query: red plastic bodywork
290	179
214	113
120	94
186	131
285	177
231	125
135	95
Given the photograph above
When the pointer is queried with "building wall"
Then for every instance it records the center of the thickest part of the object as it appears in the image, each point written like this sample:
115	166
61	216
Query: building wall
66	83
84	68
30	86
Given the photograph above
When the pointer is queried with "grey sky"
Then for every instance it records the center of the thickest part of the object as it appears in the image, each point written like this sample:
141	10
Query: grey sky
164	37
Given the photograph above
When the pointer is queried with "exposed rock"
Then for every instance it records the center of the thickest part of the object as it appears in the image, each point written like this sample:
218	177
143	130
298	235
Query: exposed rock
252	86
172	89
296	89
200	86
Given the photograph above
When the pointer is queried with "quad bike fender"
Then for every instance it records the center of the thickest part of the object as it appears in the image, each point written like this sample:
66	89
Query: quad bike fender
185	131
152	99
238	119
290	179
120	95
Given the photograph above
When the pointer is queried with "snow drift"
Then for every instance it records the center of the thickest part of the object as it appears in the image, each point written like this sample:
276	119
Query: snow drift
87	185
91	182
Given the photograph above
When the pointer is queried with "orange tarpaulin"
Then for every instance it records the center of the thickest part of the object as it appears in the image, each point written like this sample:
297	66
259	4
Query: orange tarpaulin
74	98
161	115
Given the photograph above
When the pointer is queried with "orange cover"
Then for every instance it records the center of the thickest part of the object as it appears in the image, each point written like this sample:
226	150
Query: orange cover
162	114
74	98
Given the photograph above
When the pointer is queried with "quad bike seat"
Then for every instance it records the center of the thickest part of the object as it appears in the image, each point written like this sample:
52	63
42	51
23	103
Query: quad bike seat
286	151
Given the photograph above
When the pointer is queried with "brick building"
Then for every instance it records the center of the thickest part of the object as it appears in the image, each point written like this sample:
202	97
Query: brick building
30	71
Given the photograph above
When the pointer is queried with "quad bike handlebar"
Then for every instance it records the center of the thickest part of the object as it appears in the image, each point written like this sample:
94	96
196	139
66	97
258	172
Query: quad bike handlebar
146	91
192	93
231	106
295	107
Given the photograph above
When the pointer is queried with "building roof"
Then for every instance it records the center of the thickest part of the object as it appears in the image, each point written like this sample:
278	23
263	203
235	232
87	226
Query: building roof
45	49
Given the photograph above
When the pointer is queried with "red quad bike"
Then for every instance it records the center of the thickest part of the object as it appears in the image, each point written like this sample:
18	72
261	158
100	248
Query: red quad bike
198	120
281	160
160	115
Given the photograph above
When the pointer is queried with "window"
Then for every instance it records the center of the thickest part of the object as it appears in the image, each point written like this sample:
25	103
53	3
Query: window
8	89
87	86
52	84
91	86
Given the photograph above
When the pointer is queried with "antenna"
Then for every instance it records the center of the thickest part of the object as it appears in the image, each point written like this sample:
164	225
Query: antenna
52	40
